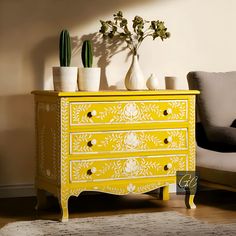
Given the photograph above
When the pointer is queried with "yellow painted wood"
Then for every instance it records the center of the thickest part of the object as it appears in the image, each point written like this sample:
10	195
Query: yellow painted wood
189	201
115	93
126	168
41	199
117	142
164	193
128	141
123	112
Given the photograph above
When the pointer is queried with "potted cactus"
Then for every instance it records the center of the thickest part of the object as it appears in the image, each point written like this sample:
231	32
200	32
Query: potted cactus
89	77
65	76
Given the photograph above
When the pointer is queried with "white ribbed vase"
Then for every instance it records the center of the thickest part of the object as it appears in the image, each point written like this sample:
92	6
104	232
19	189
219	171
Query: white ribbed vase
134	79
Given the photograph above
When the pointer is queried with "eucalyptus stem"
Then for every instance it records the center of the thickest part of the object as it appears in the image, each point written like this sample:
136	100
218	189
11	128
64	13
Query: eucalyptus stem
141	30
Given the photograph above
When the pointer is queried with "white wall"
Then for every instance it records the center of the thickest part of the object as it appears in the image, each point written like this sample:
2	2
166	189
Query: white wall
203	37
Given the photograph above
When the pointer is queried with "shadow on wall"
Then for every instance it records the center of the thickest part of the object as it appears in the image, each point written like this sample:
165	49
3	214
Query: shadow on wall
16	139
104	50
43	50
54	19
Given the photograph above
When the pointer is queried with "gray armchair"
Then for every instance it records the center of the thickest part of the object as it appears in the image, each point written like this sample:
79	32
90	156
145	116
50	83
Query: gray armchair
215	129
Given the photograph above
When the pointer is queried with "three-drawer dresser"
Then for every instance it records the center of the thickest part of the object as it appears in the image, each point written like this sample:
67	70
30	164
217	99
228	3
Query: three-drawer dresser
116	142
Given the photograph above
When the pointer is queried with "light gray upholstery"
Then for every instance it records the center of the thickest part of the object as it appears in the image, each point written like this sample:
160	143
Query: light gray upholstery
216	103
216	107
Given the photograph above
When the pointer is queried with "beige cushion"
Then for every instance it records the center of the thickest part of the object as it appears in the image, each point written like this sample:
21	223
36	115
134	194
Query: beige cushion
217	167
216	160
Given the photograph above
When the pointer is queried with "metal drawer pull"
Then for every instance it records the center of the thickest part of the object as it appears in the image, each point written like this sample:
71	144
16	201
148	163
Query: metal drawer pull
168	166
92	113
168	140
167	112
91	171
92	142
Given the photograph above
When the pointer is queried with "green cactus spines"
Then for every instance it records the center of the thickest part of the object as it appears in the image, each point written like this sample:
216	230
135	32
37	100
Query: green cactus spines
87	54
65	48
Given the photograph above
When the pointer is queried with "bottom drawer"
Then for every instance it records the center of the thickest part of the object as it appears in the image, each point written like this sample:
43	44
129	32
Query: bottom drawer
126	168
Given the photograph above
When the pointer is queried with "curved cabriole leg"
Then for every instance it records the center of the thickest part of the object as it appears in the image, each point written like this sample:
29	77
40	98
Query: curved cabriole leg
164	193
64	209
189	200
41	199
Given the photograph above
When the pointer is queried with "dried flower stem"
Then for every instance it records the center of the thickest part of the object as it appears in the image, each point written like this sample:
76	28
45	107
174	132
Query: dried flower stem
119	27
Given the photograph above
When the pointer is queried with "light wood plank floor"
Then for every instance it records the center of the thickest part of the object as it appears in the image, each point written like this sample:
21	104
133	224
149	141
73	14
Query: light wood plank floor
212	206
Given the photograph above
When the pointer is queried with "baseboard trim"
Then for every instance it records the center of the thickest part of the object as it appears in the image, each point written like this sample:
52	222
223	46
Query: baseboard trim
20	190
28	190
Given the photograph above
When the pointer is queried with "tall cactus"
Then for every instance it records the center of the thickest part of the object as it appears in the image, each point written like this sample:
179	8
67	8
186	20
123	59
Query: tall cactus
87	54
65	48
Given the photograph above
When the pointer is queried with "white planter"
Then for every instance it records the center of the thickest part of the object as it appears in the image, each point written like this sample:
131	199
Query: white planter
152	82
65	78
134	79
89	79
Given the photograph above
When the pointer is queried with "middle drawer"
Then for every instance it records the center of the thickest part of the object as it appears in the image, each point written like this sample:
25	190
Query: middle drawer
128	141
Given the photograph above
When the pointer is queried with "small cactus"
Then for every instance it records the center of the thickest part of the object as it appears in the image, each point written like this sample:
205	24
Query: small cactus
87	54
65	48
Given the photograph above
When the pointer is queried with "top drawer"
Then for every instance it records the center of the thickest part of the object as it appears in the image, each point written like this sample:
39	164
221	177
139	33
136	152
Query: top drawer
127	112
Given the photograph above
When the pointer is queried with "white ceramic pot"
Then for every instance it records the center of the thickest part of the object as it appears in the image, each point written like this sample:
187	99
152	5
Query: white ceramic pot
65	78
89	79
134	79
152	82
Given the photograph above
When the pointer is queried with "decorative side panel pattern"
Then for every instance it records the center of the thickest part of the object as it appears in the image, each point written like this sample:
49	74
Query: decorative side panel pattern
192	141
48	140
128	141
123	112
64	141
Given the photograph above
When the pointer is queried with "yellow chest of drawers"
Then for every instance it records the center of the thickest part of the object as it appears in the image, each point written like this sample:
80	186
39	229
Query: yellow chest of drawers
116	142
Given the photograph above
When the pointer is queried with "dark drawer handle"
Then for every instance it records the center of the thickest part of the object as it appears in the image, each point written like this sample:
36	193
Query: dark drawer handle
92	142
167	112
91	171
168	140
168	166
92	113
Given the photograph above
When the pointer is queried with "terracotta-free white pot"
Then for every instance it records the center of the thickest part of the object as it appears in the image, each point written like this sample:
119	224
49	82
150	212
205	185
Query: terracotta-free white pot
89	79
152	82
65	78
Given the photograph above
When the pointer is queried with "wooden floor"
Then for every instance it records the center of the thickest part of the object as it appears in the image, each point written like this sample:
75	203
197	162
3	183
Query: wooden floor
212	206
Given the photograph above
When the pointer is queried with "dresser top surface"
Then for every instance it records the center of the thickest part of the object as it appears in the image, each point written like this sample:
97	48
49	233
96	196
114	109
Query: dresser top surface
115	93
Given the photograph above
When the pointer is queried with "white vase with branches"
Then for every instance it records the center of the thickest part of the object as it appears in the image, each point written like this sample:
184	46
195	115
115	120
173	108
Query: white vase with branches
142	29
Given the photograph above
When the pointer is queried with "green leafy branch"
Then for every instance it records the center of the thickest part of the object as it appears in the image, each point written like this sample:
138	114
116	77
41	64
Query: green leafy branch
141	30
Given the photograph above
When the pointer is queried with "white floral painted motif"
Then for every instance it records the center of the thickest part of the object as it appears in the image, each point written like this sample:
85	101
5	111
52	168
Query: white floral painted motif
131	140
131	165
131	111
130	188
